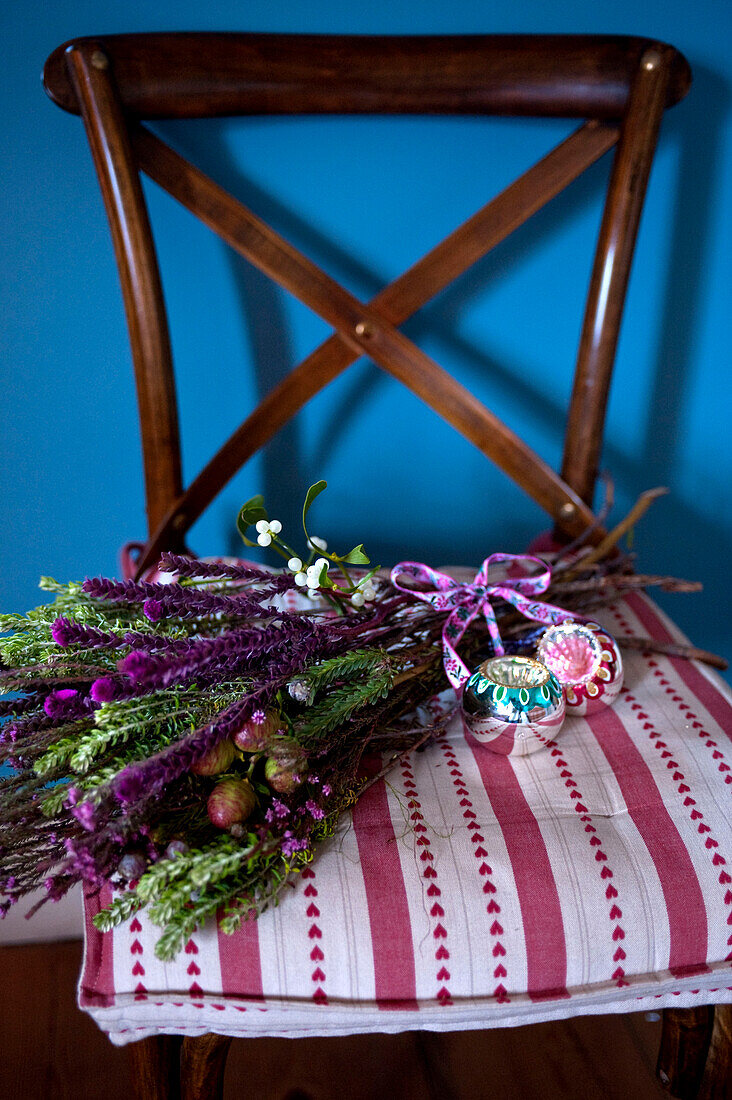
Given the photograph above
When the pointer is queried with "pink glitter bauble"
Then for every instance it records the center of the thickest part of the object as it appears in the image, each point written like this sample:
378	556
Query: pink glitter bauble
586	661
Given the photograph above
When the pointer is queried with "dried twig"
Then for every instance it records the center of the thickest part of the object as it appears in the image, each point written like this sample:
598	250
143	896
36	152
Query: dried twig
639	509
619	583
674	649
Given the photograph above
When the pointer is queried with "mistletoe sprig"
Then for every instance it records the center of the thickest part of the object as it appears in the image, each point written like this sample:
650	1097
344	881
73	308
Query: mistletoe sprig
311	572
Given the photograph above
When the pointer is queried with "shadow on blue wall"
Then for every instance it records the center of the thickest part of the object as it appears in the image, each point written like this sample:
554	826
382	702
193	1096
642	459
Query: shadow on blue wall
676	532
675	537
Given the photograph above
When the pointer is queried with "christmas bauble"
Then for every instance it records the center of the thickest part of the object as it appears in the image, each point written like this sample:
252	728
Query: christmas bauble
586	661
513	705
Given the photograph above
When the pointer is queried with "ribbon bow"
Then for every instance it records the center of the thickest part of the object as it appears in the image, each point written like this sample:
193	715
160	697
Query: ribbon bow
465	602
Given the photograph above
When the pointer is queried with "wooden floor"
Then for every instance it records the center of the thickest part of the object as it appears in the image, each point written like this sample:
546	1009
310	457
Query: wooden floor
51	1051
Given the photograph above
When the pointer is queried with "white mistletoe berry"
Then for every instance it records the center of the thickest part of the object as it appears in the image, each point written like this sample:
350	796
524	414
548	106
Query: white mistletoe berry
266	530
314	572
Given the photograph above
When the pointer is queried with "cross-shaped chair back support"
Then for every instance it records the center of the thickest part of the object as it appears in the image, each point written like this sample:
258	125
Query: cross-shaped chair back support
619	86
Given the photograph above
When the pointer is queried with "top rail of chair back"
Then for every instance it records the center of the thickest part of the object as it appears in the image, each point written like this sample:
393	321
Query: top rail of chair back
198	75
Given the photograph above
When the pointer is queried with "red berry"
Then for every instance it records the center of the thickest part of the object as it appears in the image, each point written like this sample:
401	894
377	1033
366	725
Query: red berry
231	801
287	751
257	730
284	776
216	760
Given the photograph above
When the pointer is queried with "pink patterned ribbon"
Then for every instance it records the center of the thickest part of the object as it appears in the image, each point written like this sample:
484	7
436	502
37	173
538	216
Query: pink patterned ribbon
465	602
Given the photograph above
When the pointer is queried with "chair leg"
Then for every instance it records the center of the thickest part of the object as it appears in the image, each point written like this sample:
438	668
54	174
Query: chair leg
202	1066
155	1065
684	1045
717	1082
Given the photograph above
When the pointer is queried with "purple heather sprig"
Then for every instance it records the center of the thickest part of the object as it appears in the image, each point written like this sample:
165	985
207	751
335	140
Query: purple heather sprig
195	568
232	652
175	601
67	633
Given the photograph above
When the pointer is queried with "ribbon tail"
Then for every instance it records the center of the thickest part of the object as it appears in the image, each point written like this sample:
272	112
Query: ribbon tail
456	670
492	624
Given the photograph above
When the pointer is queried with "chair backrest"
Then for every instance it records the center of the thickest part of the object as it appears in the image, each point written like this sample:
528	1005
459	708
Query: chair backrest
619	86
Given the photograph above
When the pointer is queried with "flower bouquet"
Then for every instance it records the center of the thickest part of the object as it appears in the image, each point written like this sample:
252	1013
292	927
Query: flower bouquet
193	738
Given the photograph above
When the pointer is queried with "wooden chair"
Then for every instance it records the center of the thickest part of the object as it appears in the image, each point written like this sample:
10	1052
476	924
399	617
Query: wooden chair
619	88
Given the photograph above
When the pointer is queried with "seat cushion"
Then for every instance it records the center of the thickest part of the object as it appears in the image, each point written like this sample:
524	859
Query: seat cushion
474	890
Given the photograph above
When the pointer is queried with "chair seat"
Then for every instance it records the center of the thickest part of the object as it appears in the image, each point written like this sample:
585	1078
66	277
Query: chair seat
471	890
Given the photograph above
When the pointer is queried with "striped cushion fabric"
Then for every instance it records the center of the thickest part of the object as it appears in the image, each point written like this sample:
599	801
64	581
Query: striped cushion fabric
471	890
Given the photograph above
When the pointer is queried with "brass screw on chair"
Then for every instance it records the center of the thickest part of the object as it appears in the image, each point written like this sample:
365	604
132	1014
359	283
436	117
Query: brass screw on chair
364	330
567	510
99	60
651	59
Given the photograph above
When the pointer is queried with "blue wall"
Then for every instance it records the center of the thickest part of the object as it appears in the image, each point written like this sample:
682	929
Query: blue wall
364	198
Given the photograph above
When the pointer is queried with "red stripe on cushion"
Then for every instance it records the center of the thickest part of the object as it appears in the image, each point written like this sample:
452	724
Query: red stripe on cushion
712	700
241	964
687	915
546	948
386	896
97	980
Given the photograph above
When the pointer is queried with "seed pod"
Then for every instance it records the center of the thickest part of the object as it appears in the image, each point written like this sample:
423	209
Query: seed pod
231	801
216	760
284	776
257	730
